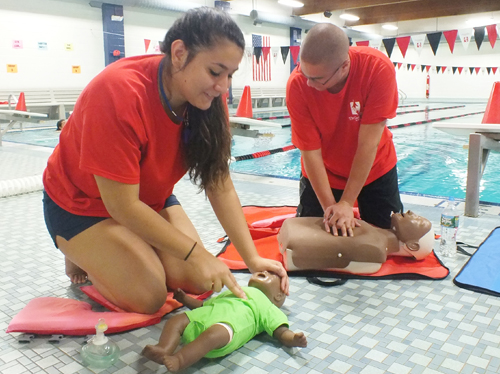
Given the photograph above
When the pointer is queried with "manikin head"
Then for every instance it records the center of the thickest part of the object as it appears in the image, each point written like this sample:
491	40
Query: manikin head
270	285
415	232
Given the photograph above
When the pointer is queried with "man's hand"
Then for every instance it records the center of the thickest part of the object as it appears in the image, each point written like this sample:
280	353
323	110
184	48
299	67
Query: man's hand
339	216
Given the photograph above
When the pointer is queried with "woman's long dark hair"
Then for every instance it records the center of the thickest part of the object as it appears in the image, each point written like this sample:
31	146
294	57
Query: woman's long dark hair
208	147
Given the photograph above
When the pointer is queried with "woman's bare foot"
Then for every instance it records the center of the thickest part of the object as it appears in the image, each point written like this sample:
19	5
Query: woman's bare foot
75	273
172	363
154	353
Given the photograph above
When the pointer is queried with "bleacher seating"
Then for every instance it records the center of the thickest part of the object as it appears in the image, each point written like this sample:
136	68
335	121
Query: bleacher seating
262	97
54	102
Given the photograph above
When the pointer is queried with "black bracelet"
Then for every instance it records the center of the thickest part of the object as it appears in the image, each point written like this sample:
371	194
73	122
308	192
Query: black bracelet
189	254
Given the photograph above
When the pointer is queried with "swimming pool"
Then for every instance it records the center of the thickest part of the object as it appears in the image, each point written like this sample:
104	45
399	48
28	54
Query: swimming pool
430	162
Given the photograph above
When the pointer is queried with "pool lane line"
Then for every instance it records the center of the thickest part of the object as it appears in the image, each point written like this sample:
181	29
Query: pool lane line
431	120
407	106
429	110
264	153
291	147
404	106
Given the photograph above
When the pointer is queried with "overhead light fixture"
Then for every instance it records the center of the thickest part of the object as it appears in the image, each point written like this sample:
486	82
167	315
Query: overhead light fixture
389	27
292	3
476	22
349	17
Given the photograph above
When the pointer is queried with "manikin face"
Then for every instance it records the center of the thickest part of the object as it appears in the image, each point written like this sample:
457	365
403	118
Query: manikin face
409	226
209	74
270	285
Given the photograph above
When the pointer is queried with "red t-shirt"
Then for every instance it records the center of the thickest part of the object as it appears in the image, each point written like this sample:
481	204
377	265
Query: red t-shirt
332	121
120	131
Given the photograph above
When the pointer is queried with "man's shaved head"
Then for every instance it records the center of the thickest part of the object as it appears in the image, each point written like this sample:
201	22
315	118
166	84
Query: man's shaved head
324	44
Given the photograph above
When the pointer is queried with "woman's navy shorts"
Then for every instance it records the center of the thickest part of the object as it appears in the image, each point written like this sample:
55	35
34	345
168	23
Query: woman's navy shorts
67	225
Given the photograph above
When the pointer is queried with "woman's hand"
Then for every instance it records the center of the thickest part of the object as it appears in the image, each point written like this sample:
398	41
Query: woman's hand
272	266
212	273
339	216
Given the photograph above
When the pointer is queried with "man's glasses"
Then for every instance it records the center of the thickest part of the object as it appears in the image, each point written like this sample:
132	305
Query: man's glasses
315	80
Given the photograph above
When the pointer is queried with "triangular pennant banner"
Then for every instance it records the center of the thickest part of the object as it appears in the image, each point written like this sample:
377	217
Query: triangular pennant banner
248	53
465	36
451	37
365	43
492	34
146	44
265	52
257	51
438	68
444	68
408	66
471	70
413	66
389	45
422	68
294	51
275	52
399	65
479	36
434	39
460	68
284	53
403	43
395	64
418	42
489	70
477	70
427	67
375	43
454	68
494	70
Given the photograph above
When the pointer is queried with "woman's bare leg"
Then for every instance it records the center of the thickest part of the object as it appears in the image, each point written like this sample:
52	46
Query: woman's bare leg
123	267
76	275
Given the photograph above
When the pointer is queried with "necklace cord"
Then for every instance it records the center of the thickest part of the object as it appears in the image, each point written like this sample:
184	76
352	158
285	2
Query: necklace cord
163	95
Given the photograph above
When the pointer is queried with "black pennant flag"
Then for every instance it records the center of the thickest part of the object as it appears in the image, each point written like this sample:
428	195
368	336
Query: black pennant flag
489	70
471	70
422	68
434	39
284	53
257	51
479	36
438	68
454	68
389	45
395	64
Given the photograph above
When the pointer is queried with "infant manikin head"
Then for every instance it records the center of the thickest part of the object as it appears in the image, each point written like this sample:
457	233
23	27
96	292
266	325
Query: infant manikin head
415	232
270	285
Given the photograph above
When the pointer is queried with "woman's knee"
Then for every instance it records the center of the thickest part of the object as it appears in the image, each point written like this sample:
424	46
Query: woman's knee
147	301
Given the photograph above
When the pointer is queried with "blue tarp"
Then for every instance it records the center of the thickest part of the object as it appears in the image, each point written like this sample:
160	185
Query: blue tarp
482	272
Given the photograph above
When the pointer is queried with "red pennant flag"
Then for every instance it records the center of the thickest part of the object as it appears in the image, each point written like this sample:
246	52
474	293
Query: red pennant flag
451	37
403	43
363	43
460	68
413	67
477	70
265	52
494	69
427	68
492	34
444	68
294	51
146	44
399	65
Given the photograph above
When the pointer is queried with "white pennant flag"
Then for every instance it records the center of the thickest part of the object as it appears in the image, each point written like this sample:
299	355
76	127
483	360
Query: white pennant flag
275	51
375	43
465	36
418	42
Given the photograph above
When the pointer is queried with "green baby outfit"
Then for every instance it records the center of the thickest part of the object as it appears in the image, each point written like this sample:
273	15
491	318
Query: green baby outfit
247	318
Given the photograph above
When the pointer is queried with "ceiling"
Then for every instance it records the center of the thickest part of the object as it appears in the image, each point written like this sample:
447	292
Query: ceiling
382	11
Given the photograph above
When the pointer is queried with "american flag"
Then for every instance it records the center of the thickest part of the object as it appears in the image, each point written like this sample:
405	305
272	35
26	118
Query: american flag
261	70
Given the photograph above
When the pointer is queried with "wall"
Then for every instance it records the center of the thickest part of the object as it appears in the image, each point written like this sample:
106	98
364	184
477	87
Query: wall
73	21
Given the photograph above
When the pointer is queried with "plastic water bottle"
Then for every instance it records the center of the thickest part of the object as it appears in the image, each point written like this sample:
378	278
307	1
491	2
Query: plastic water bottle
449	228
100	352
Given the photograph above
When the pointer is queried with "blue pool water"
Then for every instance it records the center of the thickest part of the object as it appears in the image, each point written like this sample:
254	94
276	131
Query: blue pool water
430	162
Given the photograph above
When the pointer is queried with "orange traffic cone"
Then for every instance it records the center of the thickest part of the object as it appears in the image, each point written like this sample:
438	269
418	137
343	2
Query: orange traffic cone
245	106
21	103
492	113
